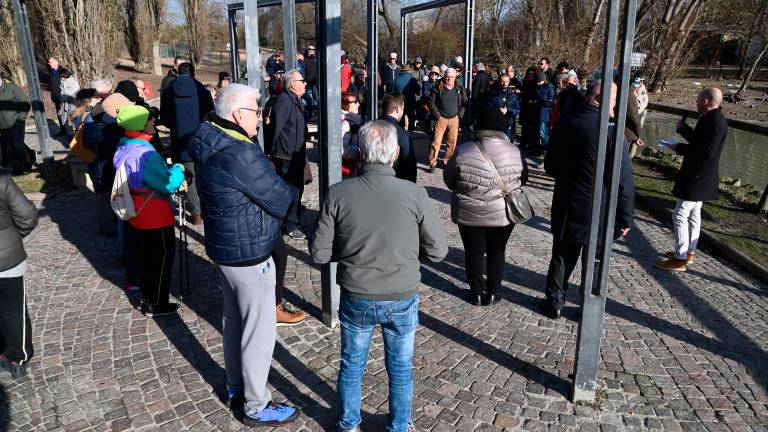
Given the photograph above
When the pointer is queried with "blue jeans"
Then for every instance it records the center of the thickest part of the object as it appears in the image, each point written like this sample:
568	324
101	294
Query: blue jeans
398	320
544	133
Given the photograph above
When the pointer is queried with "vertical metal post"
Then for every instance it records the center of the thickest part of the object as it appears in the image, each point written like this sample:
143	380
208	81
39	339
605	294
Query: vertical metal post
234	50
403	39
329	38
469	43
595	289
372	92
289	33
33	81
253	53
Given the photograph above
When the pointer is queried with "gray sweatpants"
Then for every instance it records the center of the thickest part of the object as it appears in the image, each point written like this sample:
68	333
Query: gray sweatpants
250	329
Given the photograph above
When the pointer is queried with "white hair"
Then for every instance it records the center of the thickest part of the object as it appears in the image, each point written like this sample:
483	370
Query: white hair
232	97
378	143
450	70
291	76
102	85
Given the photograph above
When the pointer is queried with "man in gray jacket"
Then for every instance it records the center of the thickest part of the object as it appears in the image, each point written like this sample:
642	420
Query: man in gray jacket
378	227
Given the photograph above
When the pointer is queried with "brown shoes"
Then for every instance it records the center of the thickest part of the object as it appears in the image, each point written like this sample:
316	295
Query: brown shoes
287	317
671	254
672	264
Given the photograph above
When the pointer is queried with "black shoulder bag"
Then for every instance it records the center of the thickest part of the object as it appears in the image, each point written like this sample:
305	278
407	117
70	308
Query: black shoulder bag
518	207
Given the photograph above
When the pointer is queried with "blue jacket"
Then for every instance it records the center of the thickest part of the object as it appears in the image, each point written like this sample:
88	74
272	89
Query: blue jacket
546	101
506	97
407	86
183	106
405	167
243	200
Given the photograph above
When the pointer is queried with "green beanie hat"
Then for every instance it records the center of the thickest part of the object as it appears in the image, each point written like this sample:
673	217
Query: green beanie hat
132	117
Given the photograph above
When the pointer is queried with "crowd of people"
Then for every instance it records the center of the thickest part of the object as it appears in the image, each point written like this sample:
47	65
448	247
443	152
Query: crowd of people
378	224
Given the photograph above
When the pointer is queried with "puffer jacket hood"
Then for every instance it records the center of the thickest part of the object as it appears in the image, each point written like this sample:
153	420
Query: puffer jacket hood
477	198
183	86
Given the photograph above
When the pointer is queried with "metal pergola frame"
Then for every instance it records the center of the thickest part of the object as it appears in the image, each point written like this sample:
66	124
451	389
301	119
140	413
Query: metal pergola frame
469	32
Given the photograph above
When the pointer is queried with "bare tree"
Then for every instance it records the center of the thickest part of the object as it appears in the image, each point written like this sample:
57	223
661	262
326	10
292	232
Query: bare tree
195	14
757	31
10	59
144	19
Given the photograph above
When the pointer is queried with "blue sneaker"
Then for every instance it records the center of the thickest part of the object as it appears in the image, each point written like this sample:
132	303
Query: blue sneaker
273	414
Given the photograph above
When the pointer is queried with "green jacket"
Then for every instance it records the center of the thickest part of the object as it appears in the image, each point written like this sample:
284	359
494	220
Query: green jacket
14	105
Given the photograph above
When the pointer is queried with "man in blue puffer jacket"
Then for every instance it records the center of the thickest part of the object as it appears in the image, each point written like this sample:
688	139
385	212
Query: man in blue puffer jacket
243	204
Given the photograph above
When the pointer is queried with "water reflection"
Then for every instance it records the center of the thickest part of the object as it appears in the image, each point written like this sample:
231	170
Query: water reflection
745	156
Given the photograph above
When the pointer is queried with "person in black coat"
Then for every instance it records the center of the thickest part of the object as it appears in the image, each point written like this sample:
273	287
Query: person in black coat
287	145
698	179
571	160
393	107
183	106
18	217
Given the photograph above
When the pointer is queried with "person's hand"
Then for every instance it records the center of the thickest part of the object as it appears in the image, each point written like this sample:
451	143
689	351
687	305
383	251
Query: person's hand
624	231
181	167
640	142
183	187
504	110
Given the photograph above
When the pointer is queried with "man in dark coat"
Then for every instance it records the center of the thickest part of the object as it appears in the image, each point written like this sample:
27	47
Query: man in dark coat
173	73
698	179
393	107
55	67
183	106
288	146
571	160
480	89
310	74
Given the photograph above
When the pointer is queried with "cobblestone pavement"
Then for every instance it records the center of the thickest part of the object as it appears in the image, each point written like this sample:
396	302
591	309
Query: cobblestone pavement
680	351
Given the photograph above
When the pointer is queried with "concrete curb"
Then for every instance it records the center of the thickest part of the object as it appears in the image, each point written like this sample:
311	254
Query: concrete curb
707	241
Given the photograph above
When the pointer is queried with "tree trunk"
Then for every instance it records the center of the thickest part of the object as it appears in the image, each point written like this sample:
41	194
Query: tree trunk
10	58
157	64
194	12
752	69
593	30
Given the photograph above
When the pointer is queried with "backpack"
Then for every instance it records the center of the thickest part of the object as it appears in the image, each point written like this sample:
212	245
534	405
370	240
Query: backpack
77	145
121	200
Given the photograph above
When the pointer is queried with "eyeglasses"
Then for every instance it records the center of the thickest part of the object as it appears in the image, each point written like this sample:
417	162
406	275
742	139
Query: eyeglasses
310	49
301	81
257	111
542	64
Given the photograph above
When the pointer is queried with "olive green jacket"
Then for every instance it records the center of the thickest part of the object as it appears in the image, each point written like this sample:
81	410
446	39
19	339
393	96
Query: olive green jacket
14	105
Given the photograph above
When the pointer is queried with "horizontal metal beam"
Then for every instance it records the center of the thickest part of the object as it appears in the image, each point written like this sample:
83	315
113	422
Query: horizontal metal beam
263	4
428	5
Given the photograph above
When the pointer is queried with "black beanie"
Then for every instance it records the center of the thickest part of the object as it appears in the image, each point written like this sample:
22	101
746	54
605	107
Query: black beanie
491	119
128	89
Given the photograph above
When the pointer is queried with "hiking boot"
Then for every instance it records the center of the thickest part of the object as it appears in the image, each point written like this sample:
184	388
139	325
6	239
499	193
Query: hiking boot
297	235
131	288
150	310
548	309
287	317
672	264
688	261
273	414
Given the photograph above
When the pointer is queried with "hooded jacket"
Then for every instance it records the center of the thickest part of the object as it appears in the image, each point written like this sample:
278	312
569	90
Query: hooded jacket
243	200
477	198
183	107
18	217
14	105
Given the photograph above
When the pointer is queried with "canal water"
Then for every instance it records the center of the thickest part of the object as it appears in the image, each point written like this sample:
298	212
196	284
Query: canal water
745	156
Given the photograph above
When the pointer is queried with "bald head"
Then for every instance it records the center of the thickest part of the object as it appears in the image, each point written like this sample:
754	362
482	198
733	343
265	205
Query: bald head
594	91
710	98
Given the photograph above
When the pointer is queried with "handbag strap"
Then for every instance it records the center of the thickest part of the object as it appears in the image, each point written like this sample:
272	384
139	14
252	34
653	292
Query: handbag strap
496	175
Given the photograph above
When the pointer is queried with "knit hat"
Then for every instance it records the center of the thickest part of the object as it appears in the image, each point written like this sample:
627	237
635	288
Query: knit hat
480	66
132	117
223	76
128	89
113	102
406	68
418	60
491	119
541	77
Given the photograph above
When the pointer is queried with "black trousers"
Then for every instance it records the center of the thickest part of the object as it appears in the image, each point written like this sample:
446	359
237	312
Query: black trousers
484	250
192	198
292	171
14	150
565	254
280	257
15	327
154	251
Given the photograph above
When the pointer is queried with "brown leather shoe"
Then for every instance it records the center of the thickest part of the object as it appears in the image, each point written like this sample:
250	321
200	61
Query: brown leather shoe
672	264
671	254
287	317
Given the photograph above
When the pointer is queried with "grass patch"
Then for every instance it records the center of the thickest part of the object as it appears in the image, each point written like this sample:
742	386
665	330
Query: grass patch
46	178
732	218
